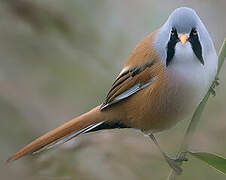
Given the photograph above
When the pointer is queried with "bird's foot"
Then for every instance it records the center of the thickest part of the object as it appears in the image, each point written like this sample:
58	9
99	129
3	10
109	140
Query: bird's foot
214	85
212	91
176	163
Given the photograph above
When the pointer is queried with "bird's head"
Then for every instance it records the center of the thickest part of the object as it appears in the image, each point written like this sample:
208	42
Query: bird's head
183	35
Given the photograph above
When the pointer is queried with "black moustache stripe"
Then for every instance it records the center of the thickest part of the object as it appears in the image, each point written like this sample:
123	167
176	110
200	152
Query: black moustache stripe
171	48
196	47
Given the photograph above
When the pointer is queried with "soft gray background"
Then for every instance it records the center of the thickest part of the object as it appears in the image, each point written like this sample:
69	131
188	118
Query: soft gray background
58	60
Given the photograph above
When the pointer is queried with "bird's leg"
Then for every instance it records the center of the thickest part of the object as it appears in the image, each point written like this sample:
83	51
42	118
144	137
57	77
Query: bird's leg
173	163
215	84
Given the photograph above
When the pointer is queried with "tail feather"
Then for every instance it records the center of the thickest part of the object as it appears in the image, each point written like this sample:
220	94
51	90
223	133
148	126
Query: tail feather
91	128
68	138
63	133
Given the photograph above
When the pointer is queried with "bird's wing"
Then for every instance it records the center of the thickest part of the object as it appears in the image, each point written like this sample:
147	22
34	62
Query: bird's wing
139	72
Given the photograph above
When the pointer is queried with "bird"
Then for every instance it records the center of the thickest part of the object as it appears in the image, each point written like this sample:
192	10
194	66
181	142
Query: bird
162	82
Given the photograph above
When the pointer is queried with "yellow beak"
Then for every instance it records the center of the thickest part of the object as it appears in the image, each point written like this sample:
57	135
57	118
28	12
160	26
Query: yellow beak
183	38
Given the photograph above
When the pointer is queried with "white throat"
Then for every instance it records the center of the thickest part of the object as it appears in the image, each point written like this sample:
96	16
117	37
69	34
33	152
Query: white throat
188	74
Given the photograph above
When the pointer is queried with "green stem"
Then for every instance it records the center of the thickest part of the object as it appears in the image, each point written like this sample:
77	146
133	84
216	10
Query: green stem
197	114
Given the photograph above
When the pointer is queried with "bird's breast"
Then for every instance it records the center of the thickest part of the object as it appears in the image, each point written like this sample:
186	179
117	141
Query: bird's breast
188	83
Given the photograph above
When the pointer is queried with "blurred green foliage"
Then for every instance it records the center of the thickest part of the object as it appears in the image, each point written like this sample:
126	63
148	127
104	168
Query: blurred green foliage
213	160
58	60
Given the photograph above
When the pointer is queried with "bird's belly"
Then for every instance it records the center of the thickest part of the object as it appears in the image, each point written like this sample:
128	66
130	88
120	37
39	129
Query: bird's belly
181	97
178	106
162	109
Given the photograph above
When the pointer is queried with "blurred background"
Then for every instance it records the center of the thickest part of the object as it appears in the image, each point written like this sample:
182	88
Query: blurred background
58	60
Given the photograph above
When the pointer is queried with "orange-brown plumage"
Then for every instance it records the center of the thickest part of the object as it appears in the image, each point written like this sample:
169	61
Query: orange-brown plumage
142	110
143	53
143	57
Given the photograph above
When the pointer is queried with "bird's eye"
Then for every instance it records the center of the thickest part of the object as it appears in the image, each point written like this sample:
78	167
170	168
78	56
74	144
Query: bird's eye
195	32
172	32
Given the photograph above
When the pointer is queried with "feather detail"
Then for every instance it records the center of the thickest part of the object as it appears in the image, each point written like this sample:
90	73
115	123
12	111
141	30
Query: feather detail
127	93
95	116
69	137
139	70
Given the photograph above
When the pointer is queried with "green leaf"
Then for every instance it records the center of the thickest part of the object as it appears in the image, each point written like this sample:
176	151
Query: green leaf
215	161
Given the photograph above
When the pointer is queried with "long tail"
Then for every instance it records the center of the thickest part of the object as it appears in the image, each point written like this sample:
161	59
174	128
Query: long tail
78	125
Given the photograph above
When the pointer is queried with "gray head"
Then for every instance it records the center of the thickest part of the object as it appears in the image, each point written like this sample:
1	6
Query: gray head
183	29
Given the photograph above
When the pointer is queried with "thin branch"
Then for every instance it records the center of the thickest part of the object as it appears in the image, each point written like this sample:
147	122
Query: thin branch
197	114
